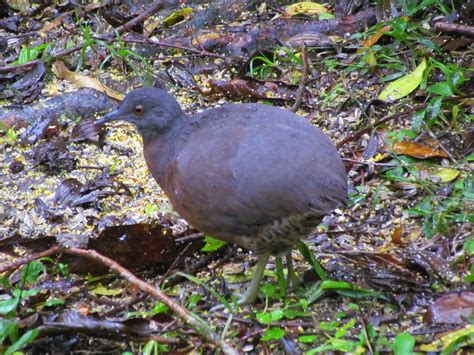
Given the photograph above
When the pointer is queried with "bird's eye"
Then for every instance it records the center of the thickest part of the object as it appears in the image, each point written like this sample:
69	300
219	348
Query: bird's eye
139	110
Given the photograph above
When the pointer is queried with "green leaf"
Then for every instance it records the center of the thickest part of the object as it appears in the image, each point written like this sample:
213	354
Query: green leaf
469	246
326	16
24	340
53	302
405	85
212	244
309	257
307	338
177	17
103	291
8	306
25	293
403	344
159	308
32	271
345	328
273	334
148	348
442	89
8	328
268	290
267	318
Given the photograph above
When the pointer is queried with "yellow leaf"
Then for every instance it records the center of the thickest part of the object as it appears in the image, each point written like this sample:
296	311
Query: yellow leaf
177	17
83	81
102	291
404	85
444	174
211	36
443	342
370	58
308	8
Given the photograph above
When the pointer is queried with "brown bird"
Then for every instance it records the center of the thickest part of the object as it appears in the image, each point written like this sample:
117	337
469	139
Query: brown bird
254	175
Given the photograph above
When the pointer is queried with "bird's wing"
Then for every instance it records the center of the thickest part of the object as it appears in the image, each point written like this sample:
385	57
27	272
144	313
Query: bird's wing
254	172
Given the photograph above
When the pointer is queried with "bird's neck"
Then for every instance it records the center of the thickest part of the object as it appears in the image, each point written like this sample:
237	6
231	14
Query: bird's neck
159	147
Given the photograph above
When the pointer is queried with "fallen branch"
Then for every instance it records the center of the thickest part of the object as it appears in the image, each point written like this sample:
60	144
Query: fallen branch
455	29
199	325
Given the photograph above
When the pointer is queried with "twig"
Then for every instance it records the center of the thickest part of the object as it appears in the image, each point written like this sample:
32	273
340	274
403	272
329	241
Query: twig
173	264
430	132
455	28
366	336
154	42
303	80
190	237
199	325
368	162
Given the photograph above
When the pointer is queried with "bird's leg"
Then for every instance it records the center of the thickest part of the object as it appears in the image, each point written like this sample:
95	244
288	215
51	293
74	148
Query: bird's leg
250	296
292	280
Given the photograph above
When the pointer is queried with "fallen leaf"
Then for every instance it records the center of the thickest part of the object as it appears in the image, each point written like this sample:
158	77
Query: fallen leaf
369	42
453	308
440	174
418	150
446	340
307	8
177	17
101	290
397	236
404	85
83	81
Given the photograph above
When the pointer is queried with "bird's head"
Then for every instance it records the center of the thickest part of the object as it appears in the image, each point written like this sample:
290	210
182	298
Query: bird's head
151	110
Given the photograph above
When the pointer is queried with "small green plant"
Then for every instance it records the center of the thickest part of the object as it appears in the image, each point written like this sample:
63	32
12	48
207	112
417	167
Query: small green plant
412	7
119	50
9	309
212	244
10	137
342	334
155	348
282	56
439	213
28	54
403	344
469	251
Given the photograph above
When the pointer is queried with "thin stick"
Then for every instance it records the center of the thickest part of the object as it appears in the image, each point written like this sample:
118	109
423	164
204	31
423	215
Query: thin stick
198	324
303	80
430	132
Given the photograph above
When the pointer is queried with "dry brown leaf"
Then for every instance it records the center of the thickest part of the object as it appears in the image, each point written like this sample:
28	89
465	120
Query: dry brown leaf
369	42
83	81
417	150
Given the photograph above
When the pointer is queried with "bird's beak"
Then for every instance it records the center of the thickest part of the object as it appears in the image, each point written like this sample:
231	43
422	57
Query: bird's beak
111	116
